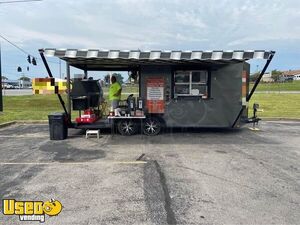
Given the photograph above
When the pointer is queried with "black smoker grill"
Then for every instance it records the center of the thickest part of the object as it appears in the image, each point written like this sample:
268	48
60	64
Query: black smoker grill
85	94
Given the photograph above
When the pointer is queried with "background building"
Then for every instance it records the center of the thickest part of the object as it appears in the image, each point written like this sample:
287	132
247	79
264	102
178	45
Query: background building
267	77
291	75
14	84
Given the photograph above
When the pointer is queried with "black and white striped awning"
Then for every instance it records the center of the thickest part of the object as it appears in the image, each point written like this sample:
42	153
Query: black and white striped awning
94	58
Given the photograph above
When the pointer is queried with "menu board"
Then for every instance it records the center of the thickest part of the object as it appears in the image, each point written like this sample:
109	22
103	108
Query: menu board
155	95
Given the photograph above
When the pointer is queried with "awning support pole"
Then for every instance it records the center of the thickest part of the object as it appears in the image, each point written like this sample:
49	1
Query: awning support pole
69	90
50	75
255	85
260	76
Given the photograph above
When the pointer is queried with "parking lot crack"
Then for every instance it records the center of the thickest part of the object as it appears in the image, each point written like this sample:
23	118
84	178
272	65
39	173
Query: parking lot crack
157	196
170	214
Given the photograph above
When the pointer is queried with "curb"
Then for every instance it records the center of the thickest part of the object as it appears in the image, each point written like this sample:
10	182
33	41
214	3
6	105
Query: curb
2	125
279	119
31	121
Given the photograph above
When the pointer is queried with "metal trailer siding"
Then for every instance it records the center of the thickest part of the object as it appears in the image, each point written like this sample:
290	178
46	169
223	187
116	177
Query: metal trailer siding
219	110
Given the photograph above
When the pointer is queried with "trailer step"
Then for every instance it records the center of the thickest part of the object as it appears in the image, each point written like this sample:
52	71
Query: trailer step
92	132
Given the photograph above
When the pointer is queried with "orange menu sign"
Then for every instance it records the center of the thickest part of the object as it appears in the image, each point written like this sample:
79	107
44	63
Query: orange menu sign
155	95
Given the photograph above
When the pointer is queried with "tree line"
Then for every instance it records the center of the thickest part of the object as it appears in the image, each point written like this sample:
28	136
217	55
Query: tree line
276	74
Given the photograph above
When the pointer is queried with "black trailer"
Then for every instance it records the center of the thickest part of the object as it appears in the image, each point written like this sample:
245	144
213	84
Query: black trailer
179	88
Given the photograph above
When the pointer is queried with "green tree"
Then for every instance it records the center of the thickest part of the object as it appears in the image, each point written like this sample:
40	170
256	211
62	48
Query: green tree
254	76
4	78
25	78
276	74
119	77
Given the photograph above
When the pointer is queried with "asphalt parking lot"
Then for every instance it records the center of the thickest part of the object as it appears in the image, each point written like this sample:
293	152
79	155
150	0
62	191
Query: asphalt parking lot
191	177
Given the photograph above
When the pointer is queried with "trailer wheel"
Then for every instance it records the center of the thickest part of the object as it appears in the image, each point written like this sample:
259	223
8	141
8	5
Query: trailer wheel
127	127
151	126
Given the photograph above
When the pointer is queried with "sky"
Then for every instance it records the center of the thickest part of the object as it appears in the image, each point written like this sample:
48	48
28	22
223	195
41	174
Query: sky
149	25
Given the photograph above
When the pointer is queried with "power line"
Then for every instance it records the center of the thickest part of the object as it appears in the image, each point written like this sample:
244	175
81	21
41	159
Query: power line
9	2
19	1
16	46
22	50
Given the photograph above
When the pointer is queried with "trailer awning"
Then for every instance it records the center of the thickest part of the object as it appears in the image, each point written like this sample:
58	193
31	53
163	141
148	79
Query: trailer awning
94	59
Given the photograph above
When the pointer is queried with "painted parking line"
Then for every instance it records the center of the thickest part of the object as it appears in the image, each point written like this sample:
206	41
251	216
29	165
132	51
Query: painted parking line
253	128
72	163
33	136
132	162
24	136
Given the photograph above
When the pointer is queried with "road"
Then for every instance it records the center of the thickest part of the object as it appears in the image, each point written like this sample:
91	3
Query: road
277	92
191	177
16	92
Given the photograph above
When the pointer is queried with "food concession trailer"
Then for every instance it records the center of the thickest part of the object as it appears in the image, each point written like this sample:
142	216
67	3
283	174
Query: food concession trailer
207	89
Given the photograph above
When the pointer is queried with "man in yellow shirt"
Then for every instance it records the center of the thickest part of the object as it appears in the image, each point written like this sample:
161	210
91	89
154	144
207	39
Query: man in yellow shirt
115	90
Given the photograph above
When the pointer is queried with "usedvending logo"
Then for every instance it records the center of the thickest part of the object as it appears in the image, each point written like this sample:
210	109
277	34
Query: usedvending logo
31	210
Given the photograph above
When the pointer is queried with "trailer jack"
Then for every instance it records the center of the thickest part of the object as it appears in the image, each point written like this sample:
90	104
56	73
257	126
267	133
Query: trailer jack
254	119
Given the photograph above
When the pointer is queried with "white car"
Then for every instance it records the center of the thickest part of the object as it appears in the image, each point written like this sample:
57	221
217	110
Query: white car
8	86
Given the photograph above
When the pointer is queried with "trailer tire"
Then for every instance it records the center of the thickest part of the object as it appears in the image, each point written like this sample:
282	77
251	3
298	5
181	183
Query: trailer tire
127	127
152	126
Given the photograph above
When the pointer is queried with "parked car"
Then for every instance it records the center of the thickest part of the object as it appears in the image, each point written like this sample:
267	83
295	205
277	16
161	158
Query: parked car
8	86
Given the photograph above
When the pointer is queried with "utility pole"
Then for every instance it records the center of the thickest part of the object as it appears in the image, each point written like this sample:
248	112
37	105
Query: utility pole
59	68
9	2
1	99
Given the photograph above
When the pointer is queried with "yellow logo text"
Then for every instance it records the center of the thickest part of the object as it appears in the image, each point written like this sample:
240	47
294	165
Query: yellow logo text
31	210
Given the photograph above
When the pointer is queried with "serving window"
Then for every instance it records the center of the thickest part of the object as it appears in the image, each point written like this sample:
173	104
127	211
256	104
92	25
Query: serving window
191	83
